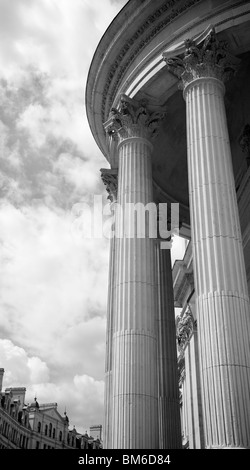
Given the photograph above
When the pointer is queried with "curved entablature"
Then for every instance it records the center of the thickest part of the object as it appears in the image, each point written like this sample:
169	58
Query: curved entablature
129	60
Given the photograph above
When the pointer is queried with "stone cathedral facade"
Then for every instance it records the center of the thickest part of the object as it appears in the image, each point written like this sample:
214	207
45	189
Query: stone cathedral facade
168	102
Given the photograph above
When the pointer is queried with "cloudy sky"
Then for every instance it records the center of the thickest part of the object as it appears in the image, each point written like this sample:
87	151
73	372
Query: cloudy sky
53	288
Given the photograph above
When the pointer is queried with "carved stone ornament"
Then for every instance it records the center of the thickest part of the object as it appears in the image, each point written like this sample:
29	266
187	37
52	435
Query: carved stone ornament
181	369
244	140
184	329
211	58
110	180
132	119
156	22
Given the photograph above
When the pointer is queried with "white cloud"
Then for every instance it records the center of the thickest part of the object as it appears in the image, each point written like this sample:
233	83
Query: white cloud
82	395
49	280
81	174
58	36
53	287
34	119
38	370
21	370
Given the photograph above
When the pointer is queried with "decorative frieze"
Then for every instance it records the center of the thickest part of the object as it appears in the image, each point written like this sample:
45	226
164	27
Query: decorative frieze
211	59
110	180
118	70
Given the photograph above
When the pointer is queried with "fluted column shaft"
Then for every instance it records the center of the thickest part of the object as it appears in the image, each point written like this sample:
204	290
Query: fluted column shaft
110	180
220	277
107	432
169	403
223	314
134	416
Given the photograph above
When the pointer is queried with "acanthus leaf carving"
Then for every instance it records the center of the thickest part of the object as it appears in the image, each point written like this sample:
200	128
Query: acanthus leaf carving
211	58
110	180
132	119
244	142
184	329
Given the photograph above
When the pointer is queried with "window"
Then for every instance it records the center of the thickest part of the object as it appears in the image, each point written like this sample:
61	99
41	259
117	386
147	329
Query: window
46	430
45	446
54	433
37	445
39	426
50	429
60	435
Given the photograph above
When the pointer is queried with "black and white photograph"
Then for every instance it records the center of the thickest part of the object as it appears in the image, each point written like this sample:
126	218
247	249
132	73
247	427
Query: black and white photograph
124	230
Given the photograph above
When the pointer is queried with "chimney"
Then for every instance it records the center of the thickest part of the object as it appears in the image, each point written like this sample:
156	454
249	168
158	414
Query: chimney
1	378
17	393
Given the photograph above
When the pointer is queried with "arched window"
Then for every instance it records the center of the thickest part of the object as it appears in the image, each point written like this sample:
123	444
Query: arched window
50	429
46	430
60	435
39	426
54	433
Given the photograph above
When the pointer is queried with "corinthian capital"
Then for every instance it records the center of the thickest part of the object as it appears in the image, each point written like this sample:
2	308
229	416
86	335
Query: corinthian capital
132	119
184	328
110	180
210	58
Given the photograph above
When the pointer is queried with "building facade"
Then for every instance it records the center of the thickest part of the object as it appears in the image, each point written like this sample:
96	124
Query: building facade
167	101
35	426
15	430
49	429
96	431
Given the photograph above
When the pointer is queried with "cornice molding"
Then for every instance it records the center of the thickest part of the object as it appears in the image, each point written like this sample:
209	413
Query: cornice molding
117	63
110	65
122	68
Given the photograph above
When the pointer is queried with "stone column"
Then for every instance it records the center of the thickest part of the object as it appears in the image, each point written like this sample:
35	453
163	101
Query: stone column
188	352
110	179
134	358
220	278
169	402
